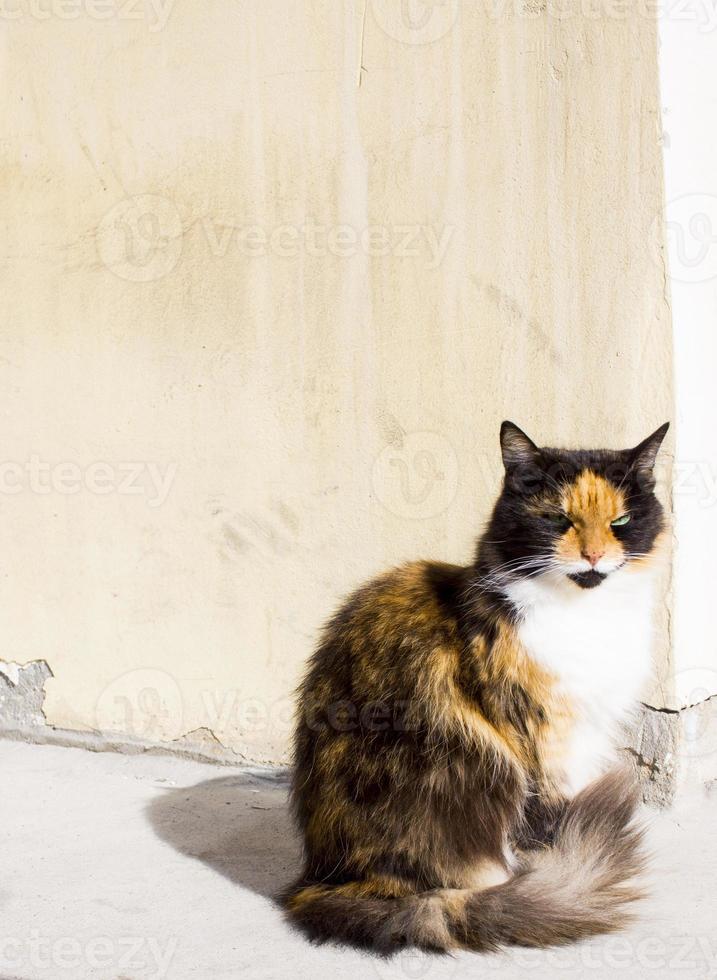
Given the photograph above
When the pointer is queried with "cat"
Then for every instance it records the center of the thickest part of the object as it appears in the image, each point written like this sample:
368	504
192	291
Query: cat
454	775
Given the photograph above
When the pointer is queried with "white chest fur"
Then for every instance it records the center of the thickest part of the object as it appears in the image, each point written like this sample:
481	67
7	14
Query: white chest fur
597	645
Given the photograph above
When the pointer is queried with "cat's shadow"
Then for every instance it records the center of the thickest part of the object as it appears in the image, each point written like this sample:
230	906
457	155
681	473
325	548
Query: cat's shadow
239	825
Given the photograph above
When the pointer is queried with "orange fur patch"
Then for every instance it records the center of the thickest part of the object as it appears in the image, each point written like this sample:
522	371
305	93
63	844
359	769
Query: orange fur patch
591	503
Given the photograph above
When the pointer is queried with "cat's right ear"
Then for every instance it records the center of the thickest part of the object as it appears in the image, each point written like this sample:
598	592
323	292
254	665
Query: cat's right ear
521	459
517	449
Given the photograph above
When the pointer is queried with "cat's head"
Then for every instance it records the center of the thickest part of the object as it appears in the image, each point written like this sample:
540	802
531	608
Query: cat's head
580	514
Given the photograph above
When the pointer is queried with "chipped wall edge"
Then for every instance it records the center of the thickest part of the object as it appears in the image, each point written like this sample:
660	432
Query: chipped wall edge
22	695
127	745
674	752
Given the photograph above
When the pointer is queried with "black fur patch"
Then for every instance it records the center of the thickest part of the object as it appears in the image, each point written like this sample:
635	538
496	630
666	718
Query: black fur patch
588	580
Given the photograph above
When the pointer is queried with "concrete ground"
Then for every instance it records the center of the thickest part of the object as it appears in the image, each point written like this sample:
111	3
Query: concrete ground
130	867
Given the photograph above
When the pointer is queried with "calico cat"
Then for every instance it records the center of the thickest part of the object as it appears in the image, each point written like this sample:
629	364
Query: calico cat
457	725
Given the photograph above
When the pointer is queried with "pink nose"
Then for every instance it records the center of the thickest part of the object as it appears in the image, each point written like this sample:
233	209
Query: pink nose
593	556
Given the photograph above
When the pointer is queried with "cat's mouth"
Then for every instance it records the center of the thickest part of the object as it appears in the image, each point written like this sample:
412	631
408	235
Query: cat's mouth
588	580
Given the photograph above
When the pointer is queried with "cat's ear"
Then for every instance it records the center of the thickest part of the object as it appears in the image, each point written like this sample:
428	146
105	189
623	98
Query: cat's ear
517	449
642	457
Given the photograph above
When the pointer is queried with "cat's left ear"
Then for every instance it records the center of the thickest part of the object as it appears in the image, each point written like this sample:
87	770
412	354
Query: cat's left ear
643	456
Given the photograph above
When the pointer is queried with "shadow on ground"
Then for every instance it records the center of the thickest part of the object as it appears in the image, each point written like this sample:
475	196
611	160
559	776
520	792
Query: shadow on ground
239	825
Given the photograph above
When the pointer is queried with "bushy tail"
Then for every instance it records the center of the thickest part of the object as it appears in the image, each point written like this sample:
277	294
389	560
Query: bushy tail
579	887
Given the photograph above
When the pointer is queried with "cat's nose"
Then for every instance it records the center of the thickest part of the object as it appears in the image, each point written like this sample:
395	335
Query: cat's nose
592	555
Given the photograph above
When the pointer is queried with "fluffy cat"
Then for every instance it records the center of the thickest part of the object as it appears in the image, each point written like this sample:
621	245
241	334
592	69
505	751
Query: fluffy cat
456	725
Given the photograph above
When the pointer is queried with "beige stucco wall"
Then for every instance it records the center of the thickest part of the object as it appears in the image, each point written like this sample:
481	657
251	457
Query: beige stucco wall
296	261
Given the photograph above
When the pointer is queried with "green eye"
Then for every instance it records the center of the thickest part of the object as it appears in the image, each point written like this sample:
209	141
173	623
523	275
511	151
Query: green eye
560	520
619	521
